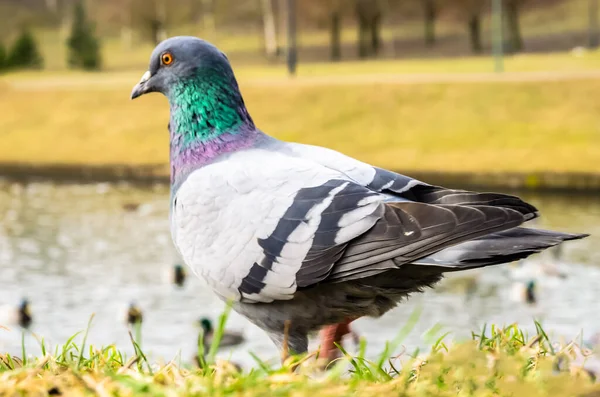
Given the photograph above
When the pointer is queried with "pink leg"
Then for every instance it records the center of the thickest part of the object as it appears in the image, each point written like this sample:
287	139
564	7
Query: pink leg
332	334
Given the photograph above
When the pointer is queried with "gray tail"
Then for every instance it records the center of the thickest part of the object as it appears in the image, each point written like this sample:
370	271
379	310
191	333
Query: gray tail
496	248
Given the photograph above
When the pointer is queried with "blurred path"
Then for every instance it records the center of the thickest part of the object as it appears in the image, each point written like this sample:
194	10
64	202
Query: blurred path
110	80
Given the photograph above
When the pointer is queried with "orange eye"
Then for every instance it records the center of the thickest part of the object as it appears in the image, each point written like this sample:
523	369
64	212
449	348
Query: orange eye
166	58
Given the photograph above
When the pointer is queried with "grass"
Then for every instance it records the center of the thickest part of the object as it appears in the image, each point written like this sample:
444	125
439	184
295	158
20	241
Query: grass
87	119
501	361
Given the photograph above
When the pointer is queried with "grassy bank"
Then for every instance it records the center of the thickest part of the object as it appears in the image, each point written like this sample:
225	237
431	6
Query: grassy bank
524	126
499	362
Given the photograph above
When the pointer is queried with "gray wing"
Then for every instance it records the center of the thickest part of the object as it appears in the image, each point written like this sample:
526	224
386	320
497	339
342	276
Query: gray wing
402	187
388	235
417	223
496	248
398	187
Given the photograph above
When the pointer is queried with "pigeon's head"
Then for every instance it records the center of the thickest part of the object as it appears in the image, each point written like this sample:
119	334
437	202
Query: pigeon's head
180	60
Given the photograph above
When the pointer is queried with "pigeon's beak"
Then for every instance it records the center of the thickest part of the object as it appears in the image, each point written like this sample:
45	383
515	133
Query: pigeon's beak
142	87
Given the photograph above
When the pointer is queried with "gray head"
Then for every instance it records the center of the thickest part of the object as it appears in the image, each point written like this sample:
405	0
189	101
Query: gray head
178	59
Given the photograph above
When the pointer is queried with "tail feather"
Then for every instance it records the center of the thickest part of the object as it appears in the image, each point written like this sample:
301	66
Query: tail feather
496	248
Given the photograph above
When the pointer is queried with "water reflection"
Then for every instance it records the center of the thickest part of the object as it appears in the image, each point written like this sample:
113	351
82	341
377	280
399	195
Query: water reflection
74	250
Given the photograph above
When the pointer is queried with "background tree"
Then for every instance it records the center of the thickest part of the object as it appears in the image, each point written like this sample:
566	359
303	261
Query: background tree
514	40
269	28
2	56
24	53
368	15
209	19
126	24
157	21
84	48
474	9
430	13
65	14
391	11
150	17
335	30
593	33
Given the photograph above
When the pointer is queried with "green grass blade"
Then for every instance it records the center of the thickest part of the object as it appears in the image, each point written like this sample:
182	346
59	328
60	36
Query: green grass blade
263	366
67	347
356	364
540	331
218	334
138	351
402	334
23	349
201	351
85	335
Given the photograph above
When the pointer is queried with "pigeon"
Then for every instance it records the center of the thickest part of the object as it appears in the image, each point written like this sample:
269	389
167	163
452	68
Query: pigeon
299	237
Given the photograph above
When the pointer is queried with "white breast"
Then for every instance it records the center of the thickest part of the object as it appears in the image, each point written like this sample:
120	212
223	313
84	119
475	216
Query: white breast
222	210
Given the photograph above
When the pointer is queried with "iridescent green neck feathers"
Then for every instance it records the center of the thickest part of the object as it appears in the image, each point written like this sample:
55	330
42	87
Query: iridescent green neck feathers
208	118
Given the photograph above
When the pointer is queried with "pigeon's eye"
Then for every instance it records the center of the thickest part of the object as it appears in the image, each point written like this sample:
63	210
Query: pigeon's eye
166	58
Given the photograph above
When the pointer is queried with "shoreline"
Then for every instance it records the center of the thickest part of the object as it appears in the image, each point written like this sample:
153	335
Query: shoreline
563	182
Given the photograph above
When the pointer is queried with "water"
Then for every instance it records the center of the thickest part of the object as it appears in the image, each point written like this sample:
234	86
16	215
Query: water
73	251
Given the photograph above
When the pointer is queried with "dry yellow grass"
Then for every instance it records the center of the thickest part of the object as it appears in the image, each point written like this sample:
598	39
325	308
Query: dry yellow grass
525	126
503	362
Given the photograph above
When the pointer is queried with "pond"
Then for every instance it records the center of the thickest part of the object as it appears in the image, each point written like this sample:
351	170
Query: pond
74	250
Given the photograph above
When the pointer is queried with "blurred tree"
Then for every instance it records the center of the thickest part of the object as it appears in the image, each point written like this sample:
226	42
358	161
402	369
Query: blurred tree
390	11
269	27
3	60
430	13
514	40
66	16
24	52
363	28
335	30
368	15
84	48
151	19
474	9
126	24
52	5
593	38
209	24
375	33
159	31
292	53
326	14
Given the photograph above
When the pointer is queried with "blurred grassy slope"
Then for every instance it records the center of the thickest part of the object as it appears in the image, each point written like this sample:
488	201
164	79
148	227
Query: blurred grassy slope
473	127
